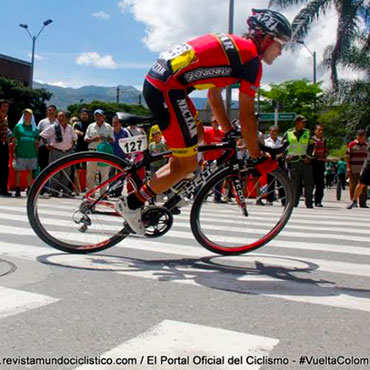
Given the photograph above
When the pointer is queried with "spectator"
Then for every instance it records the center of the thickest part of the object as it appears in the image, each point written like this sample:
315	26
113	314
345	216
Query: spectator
152	129
26	137
80	128
51	119
4	148
300	151
363	182
97	133
274	142
156	147
329	174
213	135
73	120
119	133
356	154
133	130
61	138
318	164
341	173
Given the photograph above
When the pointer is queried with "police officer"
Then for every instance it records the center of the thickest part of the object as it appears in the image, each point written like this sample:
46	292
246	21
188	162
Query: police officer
299	156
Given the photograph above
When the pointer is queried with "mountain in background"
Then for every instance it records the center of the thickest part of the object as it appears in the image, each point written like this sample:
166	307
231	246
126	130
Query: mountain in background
65	96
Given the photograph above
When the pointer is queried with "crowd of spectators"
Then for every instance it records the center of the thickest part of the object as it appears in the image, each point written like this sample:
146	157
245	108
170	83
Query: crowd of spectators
33	147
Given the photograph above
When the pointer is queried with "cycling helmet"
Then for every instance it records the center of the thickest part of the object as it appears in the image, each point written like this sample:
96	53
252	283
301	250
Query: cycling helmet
270	22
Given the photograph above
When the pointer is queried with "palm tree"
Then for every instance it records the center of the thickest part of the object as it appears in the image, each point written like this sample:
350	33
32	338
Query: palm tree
354	95
350	15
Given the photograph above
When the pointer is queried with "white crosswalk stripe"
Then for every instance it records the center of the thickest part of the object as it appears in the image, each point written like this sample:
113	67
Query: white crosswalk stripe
333	234
319	247
180	345
15	301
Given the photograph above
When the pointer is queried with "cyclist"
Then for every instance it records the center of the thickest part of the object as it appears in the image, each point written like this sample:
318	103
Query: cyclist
212	62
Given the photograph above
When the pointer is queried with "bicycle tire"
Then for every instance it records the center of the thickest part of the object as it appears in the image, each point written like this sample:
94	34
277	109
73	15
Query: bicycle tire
201	200
34	197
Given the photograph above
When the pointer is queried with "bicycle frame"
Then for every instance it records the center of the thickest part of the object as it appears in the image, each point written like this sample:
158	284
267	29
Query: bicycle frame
183	188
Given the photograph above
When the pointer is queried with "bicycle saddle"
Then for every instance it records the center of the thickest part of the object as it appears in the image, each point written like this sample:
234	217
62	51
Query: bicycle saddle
133	119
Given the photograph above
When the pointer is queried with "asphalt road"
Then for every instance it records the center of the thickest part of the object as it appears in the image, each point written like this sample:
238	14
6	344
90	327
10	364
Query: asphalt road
170	304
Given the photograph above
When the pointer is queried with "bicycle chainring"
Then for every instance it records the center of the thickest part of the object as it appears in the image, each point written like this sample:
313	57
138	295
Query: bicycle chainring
157	221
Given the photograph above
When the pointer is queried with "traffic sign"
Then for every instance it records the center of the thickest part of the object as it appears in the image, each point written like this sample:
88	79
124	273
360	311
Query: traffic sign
283	116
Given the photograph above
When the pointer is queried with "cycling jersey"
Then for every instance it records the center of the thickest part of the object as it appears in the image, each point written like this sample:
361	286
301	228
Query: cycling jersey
212	60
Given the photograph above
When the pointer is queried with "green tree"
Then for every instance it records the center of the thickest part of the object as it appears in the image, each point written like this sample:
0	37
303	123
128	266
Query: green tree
299	96
350	15
22	97
354	95
336	131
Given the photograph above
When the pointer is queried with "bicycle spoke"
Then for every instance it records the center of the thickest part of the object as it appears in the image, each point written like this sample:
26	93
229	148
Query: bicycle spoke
73	220
252	225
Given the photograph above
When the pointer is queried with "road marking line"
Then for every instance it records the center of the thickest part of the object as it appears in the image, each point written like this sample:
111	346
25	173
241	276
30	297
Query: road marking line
349	268
15	301
329	219
176	339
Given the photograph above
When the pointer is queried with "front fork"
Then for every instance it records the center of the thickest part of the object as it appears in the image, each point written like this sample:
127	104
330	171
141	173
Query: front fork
237	184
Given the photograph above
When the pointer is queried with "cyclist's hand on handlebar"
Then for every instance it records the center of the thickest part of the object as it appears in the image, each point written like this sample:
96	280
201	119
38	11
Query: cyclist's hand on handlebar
262	165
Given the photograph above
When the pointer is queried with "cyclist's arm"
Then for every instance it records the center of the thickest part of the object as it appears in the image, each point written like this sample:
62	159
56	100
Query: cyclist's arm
218	108
248	124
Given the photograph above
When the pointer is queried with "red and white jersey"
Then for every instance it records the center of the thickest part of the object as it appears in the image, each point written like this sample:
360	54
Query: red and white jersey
212	60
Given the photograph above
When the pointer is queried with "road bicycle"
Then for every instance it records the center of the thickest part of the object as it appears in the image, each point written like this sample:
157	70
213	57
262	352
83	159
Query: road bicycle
81	218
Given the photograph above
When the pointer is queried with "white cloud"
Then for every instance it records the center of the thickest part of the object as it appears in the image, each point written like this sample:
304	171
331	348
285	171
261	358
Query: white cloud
37	57
94	59
57	83
101	15
168	22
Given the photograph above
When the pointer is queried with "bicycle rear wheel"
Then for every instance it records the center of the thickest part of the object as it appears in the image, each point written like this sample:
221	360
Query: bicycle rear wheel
211	219
76	213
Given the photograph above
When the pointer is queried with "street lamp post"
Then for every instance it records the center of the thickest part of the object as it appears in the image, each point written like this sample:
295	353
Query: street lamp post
34	38
313	54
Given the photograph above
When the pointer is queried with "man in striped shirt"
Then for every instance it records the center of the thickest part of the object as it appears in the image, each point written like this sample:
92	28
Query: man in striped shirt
363	181
357	152
318	164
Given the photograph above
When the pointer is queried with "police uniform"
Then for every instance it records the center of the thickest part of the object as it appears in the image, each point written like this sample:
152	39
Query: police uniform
300	147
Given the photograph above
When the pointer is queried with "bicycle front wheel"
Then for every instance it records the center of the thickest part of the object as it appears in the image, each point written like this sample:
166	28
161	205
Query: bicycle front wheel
71	204
217	210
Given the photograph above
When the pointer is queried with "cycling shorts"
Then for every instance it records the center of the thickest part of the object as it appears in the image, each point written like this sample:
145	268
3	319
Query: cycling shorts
176	114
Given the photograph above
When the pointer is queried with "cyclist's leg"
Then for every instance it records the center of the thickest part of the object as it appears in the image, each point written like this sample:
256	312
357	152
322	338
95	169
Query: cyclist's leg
175	115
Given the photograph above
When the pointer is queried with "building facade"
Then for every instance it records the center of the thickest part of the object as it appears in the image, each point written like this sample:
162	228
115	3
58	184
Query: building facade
15	69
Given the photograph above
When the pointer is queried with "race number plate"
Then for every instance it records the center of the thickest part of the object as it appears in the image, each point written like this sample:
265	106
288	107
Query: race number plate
133	144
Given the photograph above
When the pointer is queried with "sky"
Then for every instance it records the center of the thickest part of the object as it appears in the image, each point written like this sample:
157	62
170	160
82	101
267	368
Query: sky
111	42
